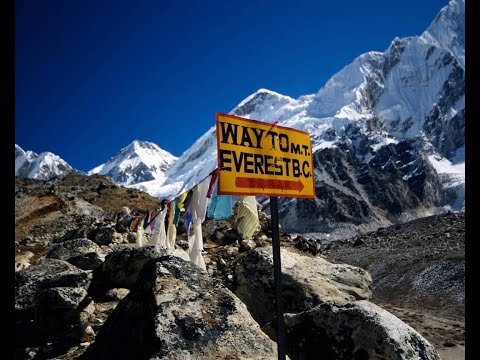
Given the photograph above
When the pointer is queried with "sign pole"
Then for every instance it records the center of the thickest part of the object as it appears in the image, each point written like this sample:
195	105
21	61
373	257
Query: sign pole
277	274
264	159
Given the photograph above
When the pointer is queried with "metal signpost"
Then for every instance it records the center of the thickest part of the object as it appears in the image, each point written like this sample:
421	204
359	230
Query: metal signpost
258	158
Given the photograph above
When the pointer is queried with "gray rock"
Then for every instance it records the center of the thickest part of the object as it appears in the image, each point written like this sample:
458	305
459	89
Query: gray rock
87	314
116	294
218	236
87	261
225	235
247	245
49	299
82	253
306	244
306	282
176	311
62	298
121	268
46	274
103	235
360	330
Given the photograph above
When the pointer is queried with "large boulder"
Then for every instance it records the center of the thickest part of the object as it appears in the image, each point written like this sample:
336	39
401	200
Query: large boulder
122	267
83	253
50	298
307	281
46	275
103	235
360	330
176	311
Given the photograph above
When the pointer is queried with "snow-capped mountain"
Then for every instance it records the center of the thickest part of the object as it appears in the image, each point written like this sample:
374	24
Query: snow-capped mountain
43	167
139	161
388	134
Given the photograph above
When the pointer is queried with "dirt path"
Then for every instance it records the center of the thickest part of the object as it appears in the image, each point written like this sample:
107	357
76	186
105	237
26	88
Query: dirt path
447	335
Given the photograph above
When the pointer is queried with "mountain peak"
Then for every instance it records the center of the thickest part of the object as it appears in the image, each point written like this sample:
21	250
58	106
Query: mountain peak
261	93
255	105
447	30
18	151
44	166
267	91
137	162
139	144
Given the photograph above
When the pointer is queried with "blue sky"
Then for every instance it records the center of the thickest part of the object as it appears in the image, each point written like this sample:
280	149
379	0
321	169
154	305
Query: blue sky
92	76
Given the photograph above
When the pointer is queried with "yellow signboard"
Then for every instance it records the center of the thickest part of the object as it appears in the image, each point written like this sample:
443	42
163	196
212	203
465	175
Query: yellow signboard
262	159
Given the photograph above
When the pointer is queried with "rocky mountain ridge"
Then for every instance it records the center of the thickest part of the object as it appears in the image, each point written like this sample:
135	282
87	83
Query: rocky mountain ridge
387	131
42	166
139	161
388	134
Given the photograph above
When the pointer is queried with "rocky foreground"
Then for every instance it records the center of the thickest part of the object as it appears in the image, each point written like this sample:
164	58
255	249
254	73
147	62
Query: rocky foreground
83	290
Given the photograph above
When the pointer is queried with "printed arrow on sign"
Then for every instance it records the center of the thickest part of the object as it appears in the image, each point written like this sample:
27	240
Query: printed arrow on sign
244	182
